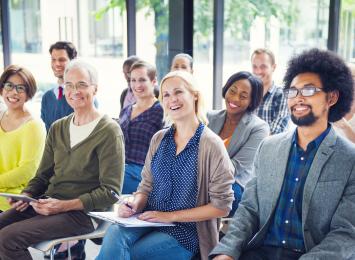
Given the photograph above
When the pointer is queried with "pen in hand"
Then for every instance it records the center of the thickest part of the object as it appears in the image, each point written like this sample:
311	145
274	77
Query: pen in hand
121	200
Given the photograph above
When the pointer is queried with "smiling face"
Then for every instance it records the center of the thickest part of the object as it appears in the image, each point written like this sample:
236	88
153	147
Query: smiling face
12	98
238	97
263	68
178	102
141	85
306	111
181	63
82	96
59	59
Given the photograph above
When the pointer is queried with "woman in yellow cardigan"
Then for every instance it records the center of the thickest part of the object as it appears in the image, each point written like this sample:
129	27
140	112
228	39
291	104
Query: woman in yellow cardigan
21	136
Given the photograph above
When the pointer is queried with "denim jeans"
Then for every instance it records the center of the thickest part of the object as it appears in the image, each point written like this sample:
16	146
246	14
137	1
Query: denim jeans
238	192
132	177
126	243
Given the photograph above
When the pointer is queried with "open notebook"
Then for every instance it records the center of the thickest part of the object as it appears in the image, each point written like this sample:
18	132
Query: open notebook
132	221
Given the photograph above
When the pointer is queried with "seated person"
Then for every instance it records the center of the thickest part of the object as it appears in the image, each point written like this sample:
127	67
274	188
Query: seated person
301	202
21	136
182	61
346	126
240	129
139	122
127	97
187	179
83	161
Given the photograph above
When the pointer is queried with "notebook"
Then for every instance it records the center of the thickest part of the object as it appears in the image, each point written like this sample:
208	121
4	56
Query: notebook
132	221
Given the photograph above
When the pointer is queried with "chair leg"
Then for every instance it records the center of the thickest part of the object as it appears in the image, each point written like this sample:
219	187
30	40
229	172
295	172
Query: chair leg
69	251
51	253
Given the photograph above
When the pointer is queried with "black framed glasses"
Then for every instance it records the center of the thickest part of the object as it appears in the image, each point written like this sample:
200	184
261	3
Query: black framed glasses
20	88
78	86
307	91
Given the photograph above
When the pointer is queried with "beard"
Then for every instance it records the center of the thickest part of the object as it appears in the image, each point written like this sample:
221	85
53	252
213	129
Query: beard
306	120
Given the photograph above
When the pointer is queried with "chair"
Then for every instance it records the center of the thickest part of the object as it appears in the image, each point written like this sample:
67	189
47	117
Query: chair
48	245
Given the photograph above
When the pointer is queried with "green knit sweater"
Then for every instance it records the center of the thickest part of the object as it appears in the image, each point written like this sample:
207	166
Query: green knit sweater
87	171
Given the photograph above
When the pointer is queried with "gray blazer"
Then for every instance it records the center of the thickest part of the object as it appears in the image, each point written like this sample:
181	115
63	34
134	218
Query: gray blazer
246	138
328	206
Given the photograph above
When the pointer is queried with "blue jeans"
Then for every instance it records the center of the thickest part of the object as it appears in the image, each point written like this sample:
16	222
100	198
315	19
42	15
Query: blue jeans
238	192
140	243
132	177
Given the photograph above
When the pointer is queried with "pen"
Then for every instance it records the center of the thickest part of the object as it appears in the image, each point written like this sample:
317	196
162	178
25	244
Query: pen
120	200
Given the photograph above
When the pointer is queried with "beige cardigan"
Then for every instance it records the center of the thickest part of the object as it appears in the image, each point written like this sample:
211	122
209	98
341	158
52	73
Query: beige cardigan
215	179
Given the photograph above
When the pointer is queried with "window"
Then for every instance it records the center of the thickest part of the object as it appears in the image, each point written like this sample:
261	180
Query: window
203	49
152	34
25	26
284	27
38	24
347	30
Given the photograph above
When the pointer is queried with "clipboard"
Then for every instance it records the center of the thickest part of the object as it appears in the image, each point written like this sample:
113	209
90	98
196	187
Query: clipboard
132	221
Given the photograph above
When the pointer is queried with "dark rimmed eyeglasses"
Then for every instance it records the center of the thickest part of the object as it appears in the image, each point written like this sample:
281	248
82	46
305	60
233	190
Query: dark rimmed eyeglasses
305	92
20	88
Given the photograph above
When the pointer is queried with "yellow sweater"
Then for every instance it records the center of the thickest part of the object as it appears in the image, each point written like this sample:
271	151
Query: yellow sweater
20	154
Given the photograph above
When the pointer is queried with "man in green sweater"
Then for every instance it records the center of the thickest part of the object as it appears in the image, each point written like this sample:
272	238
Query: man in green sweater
82	163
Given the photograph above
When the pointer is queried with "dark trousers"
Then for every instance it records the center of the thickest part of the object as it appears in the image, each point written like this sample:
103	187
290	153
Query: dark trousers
19	230
270	253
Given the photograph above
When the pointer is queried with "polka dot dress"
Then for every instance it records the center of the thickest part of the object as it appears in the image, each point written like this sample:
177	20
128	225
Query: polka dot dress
175	185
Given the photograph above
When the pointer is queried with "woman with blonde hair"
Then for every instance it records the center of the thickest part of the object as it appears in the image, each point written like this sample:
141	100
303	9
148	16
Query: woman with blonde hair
21	136
187	179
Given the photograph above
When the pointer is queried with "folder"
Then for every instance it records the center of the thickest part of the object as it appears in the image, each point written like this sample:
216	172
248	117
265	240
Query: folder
132	221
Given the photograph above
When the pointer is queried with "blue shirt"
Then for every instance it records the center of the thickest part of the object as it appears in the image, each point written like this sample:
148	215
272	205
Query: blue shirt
286	227
139	131
175	185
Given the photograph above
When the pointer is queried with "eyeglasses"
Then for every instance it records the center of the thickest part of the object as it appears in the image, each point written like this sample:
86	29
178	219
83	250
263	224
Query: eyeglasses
20	88
305	92
77	86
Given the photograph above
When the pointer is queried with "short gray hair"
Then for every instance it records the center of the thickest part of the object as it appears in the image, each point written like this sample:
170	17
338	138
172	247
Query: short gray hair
80	64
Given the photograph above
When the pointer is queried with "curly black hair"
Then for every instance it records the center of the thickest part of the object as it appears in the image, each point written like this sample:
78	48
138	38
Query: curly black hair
256	87
334	75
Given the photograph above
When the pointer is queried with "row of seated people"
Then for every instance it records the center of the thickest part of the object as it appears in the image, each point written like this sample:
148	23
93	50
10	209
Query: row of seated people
184	161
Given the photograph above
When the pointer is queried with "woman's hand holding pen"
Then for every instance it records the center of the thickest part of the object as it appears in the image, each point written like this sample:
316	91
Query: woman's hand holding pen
127	209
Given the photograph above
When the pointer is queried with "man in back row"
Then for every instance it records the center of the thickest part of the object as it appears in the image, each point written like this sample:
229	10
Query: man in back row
273	108
301	204
54	106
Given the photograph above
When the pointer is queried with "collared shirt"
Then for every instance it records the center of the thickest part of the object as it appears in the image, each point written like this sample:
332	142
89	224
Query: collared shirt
286	227
175	185
273	109
139	131
56	91
129	98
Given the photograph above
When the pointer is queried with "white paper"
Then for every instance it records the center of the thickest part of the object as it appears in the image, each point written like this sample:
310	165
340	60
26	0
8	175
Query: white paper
132	221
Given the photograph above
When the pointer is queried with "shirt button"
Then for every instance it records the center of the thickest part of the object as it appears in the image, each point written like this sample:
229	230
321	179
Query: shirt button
296	179
291	200
283	242
286	221
302	158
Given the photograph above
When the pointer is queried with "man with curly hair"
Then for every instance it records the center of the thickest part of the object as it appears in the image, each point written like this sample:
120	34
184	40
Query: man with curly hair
301	204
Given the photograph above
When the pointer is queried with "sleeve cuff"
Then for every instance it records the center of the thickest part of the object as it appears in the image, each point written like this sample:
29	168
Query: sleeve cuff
87	202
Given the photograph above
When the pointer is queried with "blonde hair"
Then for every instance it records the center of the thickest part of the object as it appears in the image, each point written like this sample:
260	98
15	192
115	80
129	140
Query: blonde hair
191	85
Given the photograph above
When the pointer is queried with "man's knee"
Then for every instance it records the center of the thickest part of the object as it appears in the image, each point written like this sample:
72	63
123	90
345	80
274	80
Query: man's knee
9	237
